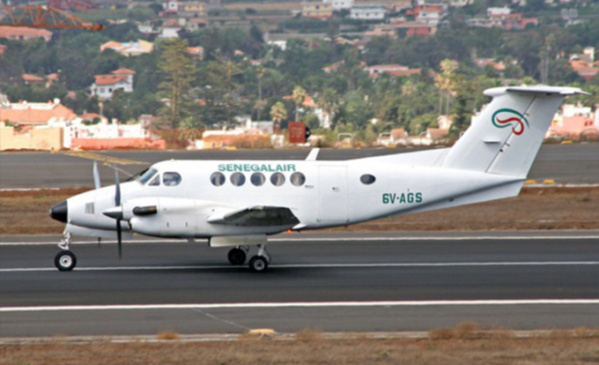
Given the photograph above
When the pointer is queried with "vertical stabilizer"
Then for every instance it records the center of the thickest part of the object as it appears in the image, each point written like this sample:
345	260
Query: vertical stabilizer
507	135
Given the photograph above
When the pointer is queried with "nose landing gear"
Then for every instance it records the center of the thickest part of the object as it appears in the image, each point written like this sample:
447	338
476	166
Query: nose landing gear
65	260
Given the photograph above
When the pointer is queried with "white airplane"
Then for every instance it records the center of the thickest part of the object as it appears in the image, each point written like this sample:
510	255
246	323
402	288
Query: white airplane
239	203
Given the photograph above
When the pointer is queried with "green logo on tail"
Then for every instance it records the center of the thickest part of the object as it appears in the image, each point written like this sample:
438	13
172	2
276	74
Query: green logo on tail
505	117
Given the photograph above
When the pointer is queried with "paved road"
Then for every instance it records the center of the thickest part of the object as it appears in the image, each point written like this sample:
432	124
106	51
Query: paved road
565	163
335	282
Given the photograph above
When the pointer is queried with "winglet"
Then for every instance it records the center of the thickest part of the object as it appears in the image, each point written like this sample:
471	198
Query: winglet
313	154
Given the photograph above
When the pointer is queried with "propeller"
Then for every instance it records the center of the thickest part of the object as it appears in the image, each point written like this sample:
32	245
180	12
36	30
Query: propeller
96	176
117	202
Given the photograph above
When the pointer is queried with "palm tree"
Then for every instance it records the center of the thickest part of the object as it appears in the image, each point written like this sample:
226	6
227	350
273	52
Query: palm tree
329	102
278	113
298	96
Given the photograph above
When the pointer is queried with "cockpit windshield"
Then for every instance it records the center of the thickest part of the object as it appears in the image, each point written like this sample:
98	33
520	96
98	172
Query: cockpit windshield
145	177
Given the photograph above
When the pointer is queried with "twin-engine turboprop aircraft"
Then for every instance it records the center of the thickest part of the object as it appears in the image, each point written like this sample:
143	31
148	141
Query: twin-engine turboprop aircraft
239	203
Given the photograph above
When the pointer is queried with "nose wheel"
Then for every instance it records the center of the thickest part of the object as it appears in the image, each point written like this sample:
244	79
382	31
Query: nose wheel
65	260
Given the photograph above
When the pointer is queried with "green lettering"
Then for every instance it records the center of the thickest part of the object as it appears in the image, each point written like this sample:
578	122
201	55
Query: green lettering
264	168
291	167
255	167
271	169
418	197
385	198
229	167
221	167
403	198
410	197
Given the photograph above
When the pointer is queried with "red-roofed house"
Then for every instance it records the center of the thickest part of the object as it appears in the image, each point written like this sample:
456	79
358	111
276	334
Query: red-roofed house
32	79
196	52
584	69
24	34
392	70
35	113
106	85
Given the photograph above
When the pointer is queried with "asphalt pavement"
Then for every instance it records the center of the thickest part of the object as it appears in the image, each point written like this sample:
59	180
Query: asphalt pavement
571	163
334	282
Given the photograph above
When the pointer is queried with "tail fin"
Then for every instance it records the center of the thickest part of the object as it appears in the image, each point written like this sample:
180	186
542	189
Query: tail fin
508	134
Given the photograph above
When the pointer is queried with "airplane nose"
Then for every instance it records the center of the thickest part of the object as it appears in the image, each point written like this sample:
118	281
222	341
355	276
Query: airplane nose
59	211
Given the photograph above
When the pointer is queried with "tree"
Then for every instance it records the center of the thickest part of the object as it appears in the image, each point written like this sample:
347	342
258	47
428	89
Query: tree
329	102
178	74
222	87
278	113
298	96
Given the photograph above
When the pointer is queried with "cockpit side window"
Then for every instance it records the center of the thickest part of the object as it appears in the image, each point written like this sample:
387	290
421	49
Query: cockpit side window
171	178
155	181
146	176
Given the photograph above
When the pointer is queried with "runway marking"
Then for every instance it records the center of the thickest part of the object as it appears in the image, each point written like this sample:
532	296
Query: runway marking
330	239
408	303
319	266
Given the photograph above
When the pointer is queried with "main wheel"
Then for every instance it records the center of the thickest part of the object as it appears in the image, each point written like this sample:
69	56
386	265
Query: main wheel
65	260
258	264
236	256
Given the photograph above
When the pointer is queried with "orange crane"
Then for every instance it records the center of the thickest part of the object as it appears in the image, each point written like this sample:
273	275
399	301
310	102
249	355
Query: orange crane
43	17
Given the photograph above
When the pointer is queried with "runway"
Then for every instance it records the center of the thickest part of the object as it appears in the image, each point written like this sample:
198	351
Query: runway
574	163
334	282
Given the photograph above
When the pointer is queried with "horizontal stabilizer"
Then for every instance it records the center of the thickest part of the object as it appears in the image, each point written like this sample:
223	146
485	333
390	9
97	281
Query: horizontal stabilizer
507	134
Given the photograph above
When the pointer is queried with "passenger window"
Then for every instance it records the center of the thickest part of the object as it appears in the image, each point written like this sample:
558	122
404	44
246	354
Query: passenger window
367	179
171	178
277	179
238	179
217	179
297	179
258	179
155	181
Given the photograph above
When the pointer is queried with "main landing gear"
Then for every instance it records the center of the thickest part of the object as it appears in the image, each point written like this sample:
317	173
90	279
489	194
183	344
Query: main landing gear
258	263
65	260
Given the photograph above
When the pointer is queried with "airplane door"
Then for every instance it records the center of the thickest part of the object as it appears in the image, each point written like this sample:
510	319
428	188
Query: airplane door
332	194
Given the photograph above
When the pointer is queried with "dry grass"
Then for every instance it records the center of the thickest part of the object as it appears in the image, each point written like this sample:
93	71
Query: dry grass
535	208
168	336
468	343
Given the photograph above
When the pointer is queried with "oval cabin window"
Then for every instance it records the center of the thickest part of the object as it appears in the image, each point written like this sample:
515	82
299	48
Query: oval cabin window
217	179
297	179
257	179
367	179
237	179
277	179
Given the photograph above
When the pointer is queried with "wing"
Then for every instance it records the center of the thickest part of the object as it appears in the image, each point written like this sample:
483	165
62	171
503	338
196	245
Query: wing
257	216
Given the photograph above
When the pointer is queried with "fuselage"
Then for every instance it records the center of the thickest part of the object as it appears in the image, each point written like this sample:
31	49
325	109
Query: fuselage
319	193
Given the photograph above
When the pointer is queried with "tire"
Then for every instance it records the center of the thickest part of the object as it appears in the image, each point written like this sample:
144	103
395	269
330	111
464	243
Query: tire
258	264
237	256
65	261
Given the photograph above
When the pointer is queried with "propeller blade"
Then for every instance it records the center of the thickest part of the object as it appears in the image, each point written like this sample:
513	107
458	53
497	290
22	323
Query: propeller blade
96	176
117	202
117	195
119	236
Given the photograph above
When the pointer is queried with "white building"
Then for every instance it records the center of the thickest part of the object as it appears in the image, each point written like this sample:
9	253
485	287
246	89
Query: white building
340	4
368	12
106	85
491	12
